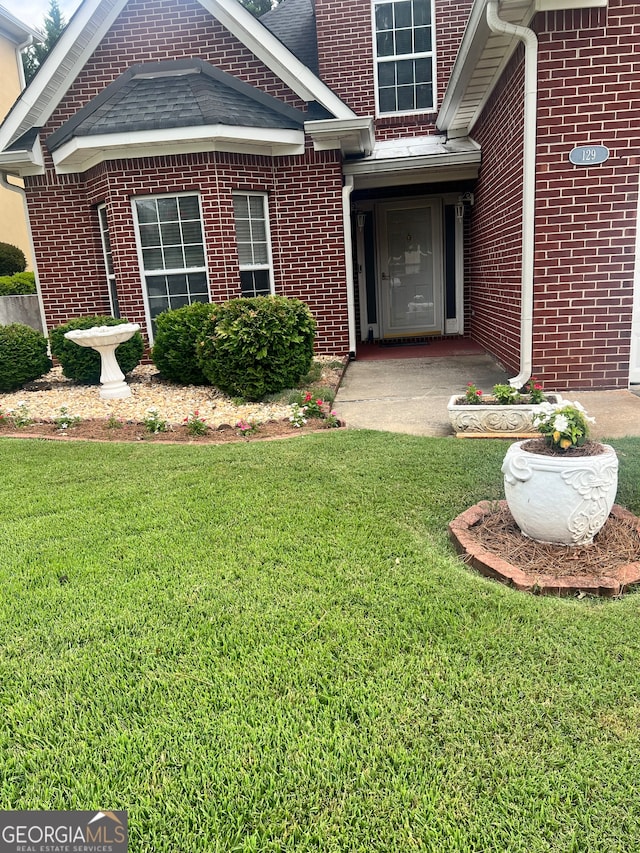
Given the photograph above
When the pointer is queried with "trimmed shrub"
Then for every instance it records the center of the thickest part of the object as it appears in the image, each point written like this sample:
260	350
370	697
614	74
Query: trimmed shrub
257	346
177	333
12	259
83	364
23	356
19	284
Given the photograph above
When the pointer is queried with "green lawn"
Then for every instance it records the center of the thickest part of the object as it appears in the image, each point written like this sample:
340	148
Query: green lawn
272	647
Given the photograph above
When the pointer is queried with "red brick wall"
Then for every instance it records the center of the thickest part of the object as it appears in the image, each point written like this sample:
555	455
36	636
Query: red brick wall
589	93
494	276
305	205
305	193
345	48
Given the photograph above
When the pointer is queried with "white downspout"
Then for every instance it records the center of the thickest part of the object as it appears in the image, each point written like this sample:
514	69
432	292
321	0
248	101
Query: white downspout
347	189
4	182
19	50
530	41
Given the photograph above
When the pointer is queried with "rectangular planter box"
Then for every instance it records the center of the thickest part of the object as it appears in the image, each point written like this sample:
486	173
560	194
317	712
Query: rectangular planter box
493	420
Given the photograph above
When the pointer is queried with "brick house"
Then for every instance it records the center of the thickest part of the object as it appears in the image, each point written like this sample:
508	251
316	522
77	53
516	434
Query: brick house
409	168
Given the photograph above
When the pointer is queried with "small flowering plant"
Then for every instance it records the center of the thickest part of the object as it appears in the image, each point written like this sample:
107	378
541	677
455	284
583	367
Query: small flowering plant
20	415
313	406
535	391
473	394
297	417
563	425
65	420
154	422
245	427
195	425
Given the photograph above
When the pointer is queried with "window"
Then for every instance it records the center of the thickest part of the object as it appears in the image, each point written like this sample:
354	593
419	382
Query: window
108	260
254	249
172	251
404	55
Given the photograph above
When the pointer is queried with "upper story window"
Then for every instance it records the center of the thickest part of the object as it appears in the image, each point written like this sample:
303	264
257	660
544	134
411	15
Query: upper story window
171	247
254	243
404	55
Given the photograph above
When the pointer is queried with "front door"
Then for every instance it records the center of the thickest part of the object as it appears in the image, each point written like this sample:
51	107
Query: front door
410	265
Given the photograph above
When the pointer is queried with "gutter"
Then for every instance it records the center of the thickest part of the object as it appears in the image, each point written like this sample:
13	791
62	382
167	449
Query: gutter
530	41
4	183
347	189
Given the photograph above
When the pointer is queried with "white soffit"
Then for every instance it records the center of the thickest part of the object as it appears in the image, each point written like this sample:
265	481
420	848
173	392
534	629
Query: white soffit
351	136
483	56
82	152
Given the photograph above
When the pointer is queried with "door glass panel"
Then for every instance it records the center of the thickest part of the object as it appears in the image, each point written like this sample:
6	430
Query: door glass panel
410	277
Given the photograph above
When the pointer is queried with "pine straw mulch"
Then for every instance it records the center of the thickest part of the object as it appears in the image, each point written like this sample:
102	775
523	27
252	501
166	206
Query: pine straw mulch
617	544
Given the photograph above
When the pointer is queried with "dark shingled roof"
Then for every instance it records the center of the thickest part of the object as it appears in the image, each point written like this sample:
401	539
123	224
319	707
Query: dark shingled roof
181	93
294	23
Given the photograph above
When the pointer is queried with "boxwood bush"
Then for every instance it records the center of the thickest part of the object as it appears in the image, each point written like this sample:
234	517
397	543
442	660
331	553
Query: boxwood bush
83	364
257	346
12	259
177	333
23	356
18	284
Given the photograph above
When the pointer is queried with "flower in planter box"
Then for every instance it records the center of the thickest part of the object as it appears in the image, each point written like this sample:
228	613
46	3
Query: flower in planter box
472	395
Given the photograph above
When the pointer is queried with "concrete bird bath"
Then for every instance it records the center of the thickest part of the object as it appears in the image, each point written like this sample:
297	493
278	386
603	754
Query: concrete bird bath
105	340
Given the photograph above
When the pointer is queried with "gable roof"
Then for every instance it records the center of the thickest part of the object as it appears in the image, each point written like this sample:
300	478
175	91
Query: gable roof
92	21
176	93
176	106
294	23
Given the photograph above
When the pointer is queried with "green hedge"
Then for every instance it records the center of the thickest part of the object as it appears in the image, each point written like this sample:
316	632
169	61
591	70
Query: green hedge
83	364
257	346
177	334
12	259
19	284
23	356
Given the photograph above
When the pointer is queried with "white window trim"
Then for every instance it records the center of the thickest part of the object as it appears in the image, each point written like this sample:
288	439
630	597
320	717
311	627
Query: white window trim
269	265
172	271
110	277
431	55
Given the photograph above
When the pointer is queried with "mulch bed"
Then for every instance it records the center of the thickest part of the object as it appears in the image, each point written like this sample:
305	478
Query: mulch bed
98	430
490	540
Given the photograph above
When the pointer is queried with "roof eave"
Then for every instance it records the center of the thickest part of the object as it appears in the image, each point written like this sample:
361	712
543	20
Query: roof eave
24	161
473	50
83	152
403	170
353	136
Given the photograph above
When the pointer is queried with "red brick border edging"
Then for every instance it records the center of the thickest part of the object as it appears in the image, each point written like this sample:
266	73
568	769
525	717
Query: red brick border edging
493	566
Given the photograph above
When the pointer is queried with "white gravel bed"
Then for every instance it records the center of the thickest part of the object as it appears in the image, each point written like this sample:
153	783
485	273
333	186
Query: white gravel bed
173	402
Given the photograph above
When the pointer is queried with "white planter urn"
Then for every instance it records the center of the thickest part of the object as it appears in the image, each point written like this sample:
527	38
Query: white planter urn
564	500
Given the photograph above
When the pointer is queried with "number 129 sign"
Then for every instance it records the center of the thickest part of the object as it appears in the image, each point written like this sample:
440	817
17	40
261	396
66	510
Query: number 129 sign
589	155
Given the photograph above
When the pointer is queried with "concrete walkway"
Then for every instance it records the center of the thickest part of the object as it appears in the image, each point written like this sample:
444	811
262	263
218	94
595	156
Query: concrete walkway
411	395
